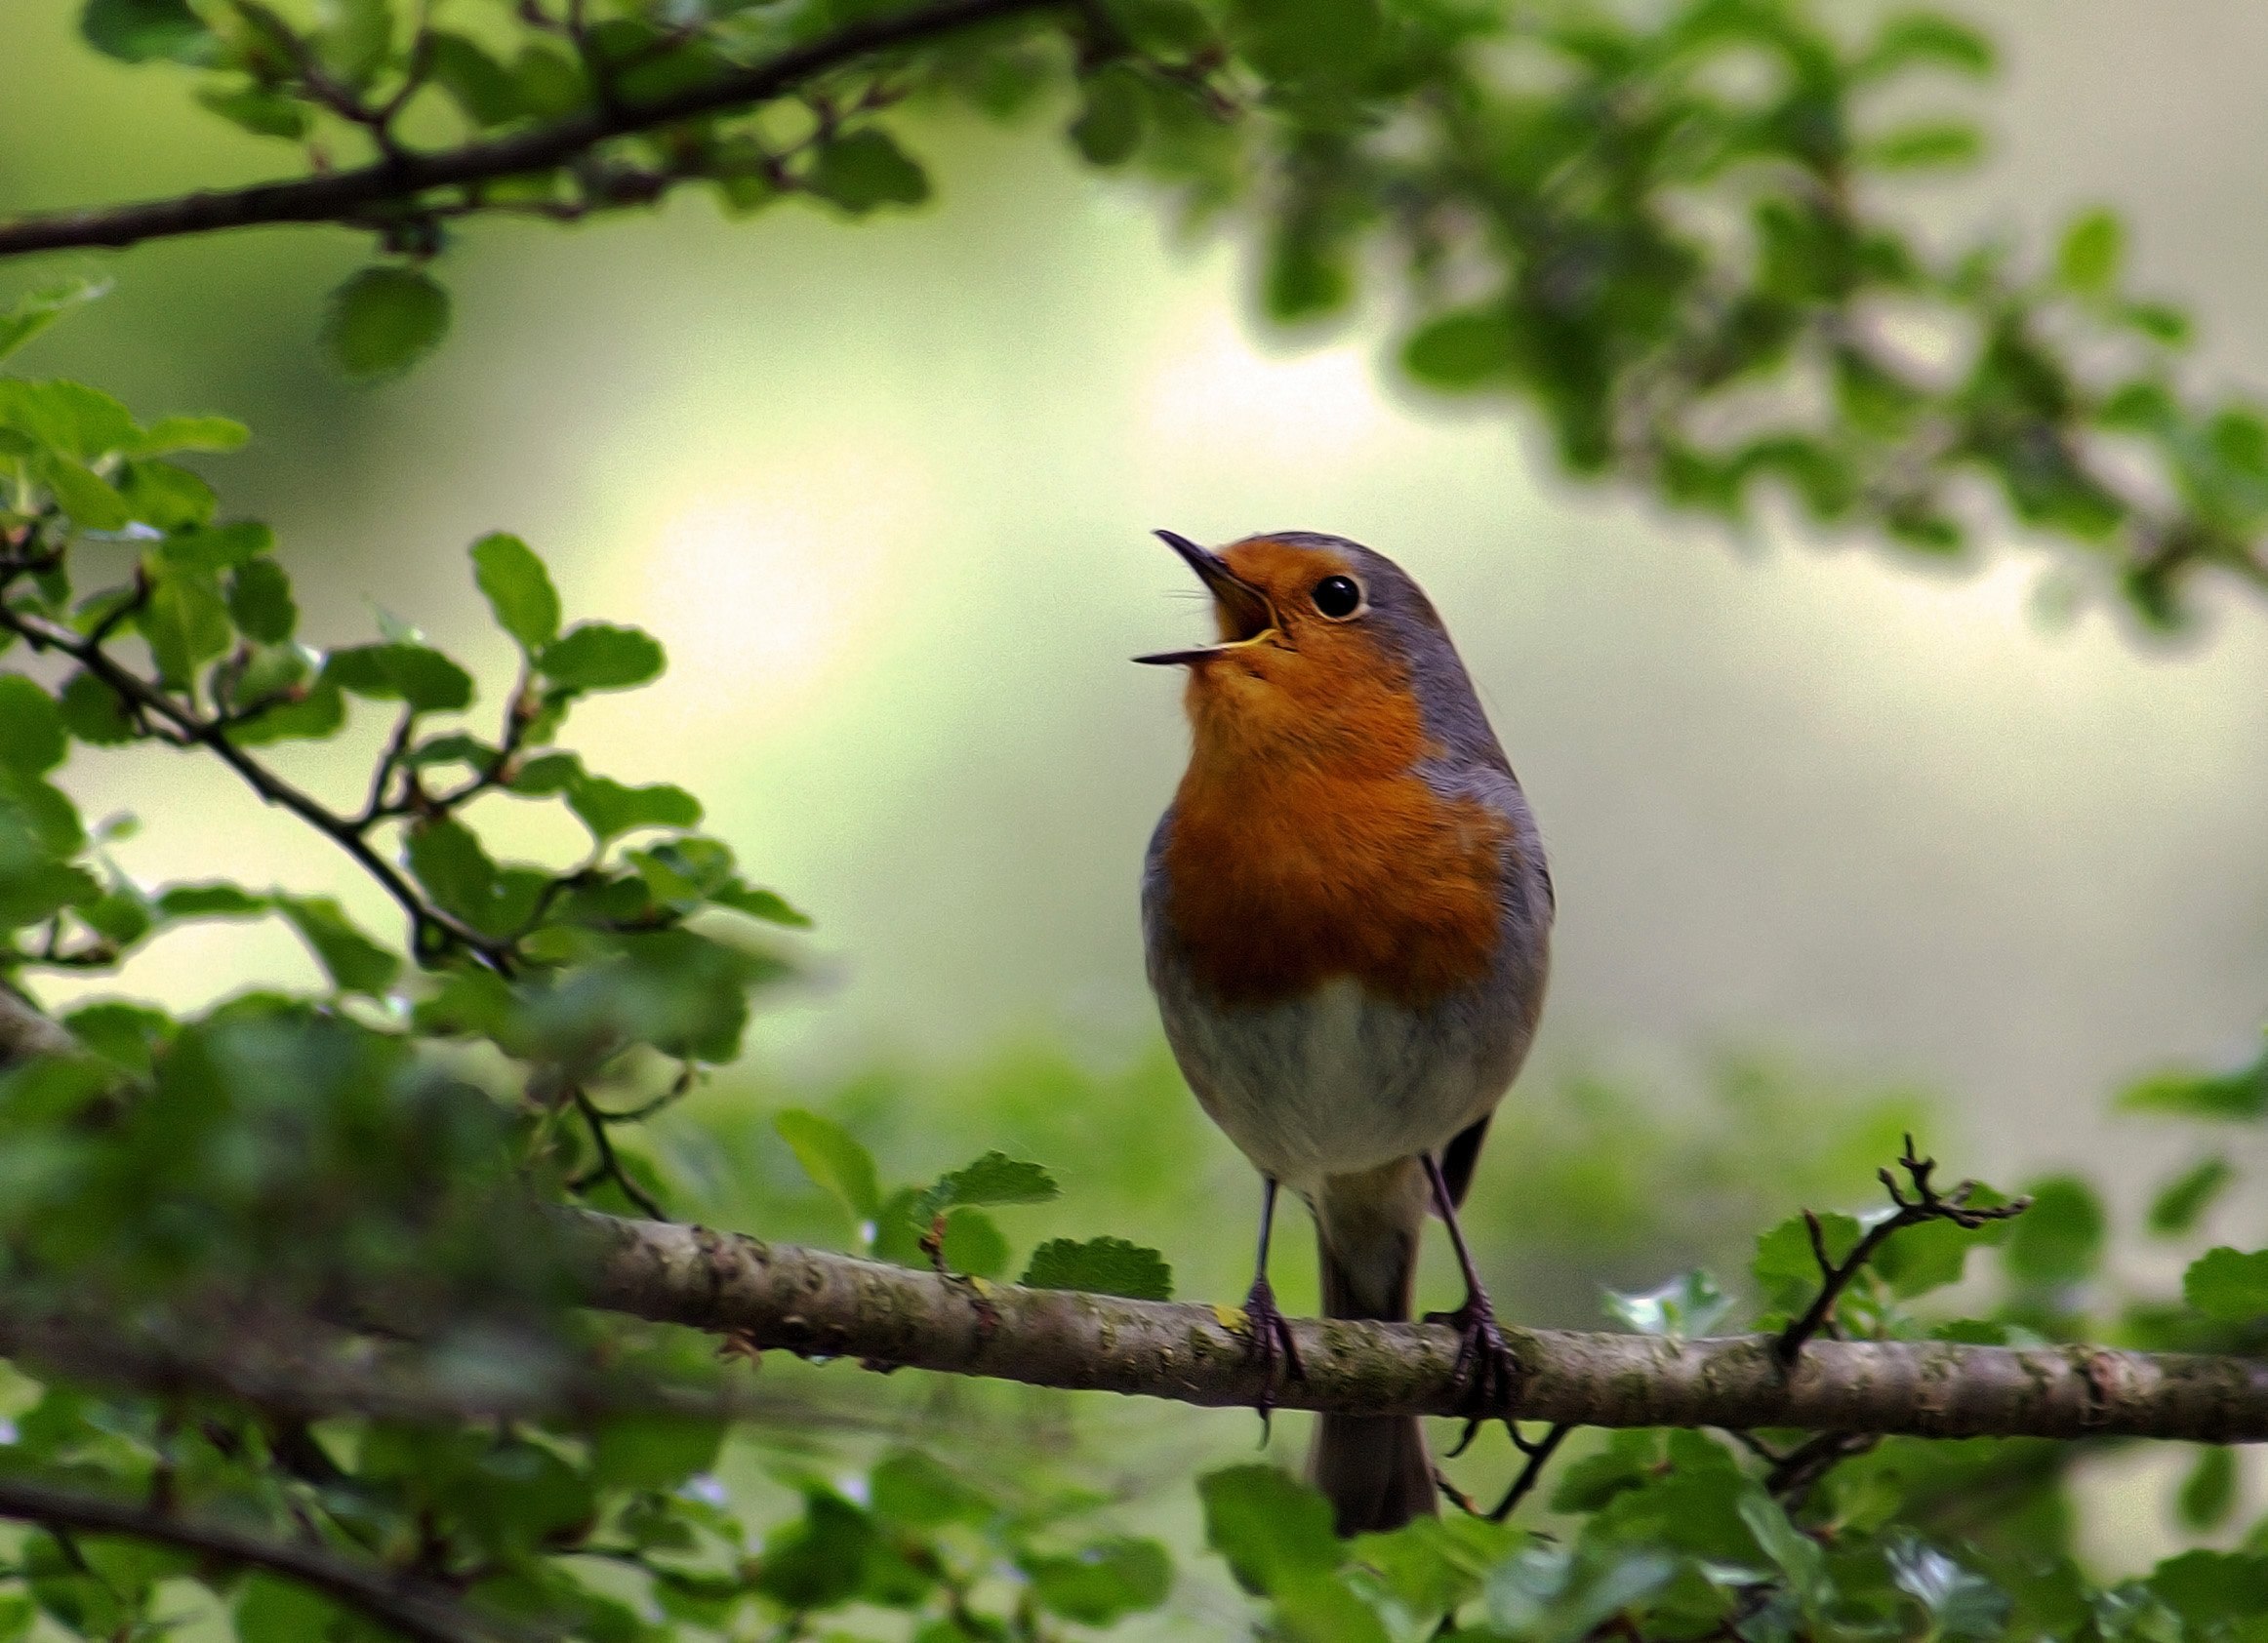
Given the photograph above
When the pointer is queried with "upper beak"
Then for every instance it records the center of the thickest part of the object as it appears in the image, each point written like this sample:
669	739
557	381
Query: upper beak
1244	609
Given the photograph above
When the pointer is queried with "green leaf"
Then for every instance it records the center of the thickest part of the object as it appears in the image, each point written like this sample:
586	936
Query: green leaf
2059	1240
31	727
831	1156
908	1487
654	1449
1784	1270
609	808
2233	1097
190	433
416	675
1795	1554
1960	1602
1101	1266
34	312
92	501
66	417
1925	39
1460	350
260	601
307	713
2181	1201
2208	1494
448	859
185	620
2087	261
1102	1581
1927	146
864	170
993	1178
482	87
1307	39
271	1610
93	712
217	548
146	30
353	960
2210	1588
1689	1304
384	320
209	901
355	39
765	905
165	496
973	1244
597	656
258	110
1271	1528
128	1035
2228	1285
1109	127
518	589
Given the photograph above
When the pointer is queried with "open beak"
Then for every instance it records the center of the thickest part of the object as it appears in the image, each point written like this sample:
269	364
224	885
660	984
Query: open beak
1245	613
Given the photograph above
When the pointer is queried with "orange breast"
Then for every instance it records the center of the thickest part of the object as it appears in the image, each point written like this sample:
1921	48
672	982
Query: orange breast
1286	872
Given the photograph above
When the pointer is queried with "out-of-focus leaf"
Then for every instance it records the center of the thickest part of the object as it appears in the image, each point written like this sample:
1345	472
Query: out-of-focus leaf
597	656
1960	1602
1459	350
908	1487
384	320
864	170
2181	1201
190	433
1925	146
1919	39
654	1451
186	621
31	727
518	589
2059	1240
34	312
146	30
93	712
216	547
2208	1494
258	110
353	960
1689	1304
260	600
2093	246
831	1156
1271	1528
482	87
1785	1268
2227	1284
765	905
1101	1266
609	808
1109	127
2230	1097
416	675
92	501
1103	1581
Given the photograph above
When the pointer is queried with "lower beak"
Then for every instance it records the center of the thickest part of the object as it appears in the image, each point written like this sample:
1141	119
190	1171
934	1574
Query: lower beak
1245	609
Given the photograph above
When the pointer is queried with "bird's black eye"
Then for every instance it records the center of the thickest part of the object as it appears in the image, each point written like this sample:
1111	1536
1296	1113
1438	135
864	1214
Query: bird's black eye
1337	597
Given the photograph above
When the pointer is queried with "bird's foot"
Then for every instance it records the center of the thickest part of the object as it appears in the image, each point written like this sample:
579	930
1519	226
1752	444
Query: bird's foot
1271	1344
1485	1367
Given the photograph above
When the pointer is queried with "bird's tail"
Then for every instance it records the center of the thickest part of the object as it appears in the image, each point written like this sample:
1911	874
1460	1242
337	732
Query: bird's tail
1375	1469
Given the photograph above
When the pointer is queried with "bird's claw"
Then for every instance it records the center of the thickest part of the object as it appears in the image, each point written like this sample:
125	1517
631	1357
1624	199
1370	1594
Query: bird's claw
1485	1369
1272	1345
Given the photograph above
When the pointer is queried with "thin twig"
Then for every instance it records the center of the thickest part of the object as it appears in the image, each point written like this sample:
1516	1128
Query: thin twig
417	1609
1926	1204
1539	1454
351	195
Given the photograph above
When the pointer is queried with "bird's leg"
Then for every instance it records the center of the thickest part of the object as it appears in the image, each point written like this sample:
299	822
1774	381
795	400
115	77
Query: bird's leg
1272	1341
1485	1363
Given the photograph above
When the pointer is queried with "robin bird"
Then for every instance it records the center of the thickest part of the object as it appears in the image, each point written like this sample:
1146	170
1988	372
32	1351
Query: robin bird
1347	918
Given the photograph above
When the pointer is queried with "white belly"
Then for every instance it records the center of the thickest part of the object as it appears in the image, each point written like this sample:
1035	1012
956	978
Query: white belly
1338	1081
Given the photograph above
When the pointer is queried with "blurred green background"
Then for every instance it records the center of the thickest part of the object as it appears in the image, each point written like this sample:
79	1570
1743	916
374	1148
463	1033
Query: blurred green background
1840	844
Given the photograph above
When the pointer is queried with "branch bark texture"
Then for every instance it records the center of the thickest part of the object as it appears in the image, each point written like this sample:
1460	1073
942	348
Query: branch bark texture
355	196
819	1303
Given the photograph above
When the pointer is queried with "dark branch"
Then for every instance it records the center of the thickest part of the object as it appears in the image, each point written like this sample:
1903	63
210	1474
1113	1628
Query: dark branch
413	1608
1926	1204
400	179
